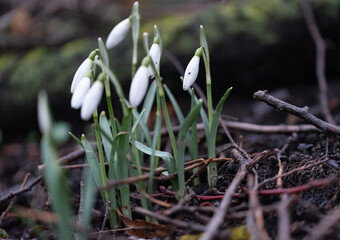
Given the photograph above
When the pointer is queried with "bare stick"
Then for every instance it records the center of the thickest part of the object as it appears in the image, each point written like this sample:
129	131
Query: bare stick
292	171
320	58
4	214
185	225
255	220
218	217
302	113
325	224
21	190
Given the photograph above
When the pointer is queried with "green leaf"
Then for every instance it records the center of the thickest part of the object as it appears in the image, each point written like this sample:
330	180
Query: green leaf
181	147
89	195
103	52
92	161
76	139
56	183
106	134
137	121
204	44
148	101
174	103
165	156
156	33
211	138
115	82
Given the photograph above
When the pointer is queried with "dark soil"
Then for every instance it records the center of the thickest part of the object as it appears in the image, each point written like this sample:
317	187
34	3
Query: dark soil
308	207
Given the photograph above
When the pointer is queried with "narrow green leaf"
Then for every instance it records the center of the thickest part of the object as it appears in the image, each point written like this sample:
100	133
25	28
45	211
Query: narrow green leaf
56	183
106	134
148	101
204	43
92	161
76	139
156	33
174	103
89	196
103	52
137	121
135	22
181	147
165	156
211	138
115	82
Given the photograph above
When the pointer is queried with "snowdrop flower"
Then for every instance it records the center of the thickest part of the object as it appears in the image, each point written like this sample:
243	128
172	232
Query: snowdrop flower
191	71
92	100
83	69
118	33
155	54
79	92
139	83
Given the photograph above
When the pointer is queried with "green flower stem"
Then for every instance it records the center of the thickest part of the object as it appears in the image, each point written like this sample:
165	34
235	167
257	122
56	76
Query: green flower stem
210	107
109	105
164	107
100	151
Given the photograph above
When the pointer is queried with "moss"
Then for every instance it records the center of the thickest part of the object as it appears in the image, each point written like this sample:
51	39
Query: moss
6	60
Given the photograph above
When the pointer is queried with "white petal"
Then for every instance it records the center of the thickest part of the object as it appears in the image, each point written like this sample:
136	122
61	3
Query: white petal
118	33
92	100
155	54
139	86
191	72
83	69
79	93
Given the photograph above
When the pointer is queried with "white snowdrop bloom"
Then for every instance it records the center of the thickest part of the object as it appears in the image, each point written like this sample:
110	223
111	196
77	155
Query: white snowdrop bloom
139	86
83	69
155	54
191	71
92	100
118	33
79	92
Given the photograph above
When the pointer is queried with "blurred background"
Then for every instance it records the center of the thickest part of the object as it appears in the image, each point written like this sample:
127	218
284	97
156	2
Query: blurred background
254	44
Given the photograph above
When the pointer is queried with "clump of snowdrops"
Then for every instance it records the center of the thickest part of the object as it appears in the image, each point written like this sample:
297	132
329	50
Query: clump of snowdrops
129	141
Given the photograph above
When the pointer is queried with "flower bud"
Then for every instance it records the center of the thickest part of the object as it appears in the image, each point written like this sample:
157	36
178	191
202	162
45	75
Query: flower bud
79	92
118	33
139	86
191	72
155	55
83	69
92	100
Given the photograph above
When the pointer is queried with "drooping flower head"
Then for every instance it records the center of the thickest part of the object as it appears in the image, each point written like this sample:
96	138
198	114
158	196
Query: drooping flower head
80	91
92	98
83	69
139	84
191	71
155	54
118	33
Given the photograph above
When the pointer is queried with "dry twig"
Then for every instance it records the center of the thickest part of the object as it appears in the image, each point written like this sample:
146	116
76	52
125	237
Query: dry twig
302	113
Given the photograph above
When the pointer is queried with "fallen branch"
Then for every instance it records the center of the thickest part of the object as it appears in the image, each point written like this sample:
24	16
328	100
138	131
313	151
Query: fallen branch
185	225
21	190
302	113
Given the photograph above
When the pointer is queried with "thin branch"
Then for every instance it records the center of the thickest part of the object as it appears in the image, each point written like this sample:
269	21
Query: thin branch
22	190
185	225
320	58
325	224
302	113
218	217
